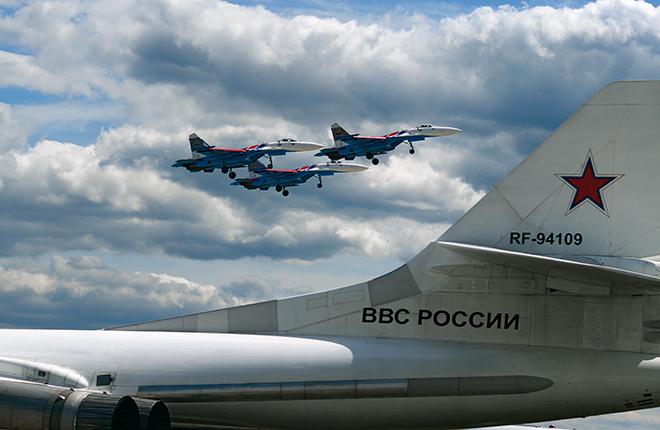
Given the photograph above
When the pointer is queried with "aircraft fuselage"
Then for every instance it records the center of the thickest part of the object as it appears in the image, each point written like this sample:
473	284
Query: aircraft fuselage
303	382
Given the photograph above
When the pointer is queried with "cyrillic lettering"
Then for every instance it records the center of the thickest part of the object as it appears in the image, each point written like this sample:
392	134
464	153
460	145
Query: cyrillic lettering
385	316
473	317
436	318
424	314
454	319
368	315
399	319
515	319
494	319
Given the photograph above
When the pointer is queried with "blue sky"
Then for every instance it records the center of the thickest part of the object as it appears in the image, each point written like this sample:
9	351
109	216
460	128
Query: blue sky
97	100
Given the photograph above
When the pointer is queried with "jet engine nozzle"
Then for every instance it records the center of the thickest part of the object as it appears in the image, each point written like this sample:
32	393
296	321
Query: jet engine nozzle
33	406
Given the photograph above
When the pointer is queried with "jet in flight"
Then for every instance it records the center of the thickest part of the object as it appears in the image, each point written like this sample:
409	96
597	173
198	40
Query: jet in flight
262	178
348	146
541	303
207	158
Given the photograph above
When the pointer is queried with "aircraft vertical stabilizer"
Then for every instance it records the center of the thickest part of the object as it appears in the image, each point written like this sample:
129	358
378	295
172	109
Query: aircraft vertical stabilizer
197	145
592	188
339	134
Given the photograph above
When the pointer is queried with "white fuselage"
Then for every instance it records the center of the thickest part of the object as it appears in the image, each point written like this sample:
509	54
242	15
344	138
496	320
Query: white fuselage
290	145
207	378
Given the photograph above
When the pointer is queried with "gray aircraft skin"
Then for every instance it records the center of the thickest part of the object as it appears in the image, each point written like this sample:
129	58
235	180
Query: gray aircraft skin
540	303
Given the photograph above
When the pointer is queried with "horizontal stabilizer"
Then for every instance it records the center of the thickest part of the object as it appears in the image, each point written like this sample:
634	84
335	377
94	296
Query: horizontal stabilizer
587	272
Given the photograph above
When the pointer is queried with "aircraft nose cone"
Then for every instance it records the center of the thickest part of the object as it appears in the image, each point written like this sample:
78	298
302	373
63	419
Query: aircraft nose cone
303	146
445	131
349	167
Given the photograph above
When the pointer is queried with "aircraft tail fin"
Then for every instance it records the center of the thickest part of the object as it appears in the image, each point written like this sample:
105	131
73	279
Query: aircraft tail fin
256	167
590	189
197	144
339	134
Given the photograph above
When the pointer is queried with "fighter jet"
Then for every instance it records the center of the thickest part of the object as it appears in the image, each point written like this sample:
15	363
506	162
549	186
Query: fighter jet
263	178
541	303
348	146
207	158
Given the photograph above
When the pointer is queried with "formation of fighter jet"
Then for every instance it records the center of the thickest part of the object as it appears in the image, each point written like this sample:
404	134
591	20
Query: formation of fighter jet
263	178
207	158
348	146
541	303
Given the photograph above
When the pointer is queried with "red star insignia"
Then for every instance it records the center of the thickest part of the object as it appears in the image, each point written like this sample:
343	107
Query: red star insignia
588	186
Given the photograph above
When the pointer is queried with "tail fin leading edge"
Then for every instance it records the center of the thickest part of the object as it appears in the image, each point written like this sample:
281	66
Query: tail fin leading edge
592	188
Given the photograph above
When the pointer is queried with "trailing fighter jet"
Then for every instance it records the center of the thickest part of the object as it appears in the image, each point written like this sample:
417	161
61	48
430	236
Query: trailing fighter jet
348	146
207	158
541	303
263	178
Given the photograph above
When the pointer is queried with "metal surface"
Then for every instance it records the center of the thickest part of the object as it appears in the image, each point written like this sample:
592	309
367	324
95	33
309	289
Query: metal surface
348	389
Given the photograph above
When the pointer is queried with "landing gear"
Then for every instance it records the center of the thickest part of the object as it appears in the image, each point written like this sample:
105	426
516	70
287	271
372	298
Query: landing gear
270	162
375	161
412	148
278	188
369	155
320	184
224	170
285	193
232	175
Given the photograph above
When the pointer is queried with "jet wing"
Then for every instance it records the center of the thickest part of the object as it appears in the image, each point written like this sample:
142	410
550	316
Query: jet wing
557	267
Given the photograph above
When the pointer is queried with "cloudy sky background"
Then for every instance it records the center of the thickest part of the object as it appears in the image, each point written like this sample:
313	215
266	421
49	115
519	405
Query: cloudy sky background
97	100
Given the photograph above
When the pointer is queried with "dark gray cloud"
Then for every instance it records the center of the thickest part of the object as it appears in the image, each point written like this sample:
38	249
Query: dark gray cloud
84	292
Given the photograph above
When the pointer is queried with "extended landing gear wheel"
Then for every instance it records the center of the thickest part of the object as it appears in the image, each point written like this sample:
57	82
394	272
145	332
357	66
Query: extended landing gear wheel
319	185
278	188
375	161
224	170
285	193
232	175
369	155
412	148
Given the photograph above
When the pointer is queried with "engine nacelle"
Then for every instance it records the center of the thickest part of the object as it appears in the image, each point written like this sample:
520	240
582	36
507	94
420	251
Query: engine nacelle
31	406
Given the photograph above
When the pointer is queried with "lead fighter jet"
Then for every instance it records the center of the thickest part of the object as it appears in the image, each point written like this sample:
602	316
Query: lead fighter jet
348	146
263	178
207	158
